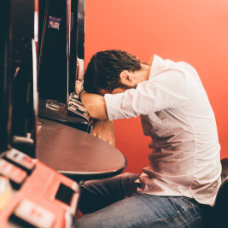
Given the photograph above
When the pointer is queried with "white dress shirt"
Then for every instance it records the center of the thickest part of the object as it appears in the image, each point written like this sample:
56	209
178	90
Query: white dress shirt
176	113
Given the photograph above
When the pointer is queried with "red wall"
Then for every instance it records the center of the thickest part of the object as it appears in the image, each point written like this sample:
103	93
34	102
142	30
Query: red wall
193	31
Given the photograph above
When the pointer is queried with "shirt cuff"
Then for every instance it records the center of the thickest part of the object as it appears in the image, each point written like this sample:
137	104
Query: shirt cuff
112	107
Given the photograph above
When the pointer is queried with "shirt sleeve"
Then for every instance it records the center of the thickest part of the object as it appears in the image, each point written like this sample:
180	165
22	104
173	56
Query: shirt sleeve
166	90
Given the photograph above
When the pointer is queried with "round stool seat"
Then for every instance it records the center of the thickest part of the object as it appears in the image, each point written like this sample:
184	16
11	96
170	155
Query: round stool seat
76	153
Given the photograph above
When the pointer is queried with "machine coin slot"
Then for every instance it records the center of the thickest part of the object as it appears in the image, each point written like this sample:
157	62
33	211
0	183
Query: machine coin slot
65	194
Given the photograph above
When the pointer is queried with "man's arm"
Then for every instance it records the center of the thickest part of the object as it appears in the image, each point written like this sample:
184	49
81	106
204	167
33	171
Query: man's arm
95	105
104	129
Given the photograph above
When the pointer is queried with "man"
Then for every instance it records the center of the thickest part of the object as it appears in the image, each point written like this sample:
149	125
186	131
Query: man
183	178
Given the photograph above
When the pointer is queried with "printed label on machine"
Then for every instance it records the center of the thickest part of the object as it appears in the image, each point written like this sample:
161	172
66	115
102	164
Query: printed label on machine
54	22
34	214
21	158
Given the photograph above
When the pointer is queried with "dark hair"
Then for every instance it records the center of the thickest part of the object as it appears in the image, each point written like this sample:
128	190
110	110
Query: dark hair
104	68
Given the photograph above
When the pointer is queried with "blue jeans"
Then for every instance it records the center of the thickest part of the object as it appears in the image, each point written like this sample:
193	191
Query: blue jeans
115	202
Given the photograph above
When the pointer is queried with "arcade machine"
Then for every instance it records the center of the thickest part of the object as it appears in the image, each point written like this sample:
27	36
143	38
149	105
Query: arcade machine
31	193
60	63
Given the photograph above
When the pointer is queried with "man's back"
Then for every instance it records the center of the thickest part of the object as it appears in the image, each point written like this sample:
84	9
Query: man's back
176	113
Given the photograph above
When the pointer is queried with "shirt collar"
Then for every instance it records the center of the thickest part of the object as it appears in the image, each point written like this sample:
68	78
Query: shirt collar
157	66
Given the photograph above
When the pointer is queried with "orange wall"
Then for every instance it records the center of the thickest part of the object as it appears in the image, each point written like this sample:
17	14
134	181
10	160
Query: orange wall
195	31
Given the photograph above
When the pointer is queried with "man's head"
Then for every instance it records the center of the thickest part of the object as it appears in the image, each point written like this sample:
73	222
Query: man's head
110	69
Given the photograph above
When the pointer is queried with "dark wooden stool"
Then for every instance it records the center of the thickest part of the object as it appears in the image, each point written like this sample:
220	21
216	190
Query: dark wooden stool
77	154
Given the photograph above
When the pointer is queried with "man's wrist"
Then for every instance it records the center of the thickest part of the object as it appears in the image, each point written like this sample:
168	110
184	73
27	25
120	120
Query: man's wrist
82	92
79	87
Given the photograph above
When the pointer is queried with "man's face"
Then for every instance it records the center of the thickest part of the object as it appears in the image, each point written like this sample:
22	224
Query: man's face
115	91
118	90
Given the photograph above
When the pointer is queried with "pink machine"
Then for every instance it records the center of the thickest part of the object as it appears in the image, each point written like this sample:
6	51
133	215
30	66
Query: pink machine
34	195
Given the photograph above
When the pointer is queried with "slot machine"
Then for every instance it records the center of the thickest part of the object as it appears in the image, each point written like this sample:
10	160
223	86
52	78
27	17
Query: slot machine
61	62
31	193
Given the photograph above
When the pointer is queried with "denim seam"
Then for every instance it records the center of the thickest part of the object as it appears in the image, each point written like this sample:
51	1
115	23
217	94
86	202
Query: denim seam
199	217
178	214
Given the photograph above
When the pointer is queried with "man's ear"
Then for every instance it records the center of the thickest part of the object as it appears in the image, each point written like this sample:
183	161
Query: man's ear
126	78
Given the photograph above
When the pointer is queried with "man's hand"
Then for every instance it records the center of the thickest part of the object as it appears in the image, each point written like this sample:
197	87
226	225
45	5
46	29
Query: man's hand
104	129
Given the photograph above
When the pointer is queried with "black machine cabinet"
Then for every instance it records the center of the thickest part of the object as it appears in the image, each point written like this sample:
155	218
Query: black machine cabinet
31	193
19	34
5	73
61	49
